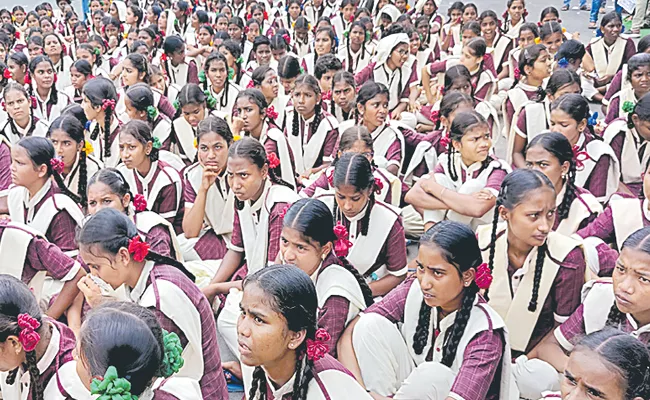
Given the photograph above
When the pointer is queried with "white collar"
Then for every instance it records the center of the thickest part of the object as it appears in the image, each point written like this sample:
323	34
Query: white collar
257	205
23	131
49	94
29	204
49	356
359	216
560	196
378	131
449	320
145	180
469	170
138	291
283	390
637	330
581	140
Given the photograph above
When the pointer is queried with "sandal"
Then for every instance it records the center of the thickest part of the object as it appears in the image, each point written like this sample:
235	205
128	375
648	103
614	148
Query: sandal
565	8
593	25
585	8
603	11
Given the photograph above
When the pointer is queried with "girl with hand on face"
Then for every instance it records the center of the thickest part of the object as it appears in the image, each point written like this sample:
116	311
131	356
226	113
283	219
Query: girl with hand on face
209	201
444	340
217	79
56	51
255	120
466	179
374	228
115	253
21	116
67	134
80	73
357	51
99	101
34	201
313	133
260	198
551	154
535	117
33	347
159	183
122	345
178	69
285	356
636	86
628	138
49	100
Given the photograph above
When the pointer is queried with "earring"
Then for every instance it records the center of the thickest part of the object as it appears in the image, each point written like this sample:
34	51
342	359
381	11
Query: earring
466	284
563	176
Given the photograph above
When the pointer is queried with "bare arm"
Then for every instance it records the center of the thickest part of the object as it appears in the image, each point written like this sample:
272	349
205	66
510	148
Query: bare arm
385	284
66	297
518	151
470	205
193	219
393	169
549	350
417	197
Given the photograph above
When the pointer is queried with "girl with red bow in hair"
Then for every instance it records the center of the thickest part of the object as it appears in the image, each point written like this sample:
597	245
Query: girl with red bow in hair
464	184
99	102
116	254
286	356
374	228
441	337
33	346
43	78
343	18
21	119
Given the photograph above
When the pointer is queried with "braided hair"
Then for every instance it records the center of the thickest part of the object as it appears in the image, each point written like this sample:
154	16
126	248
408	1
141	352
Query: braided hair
464	122
292	295
16	87
350	64
16	299
350	137
72	127
141	64
33	64
111	230
459	247
214	58
235	51
115	181
515	189
527	58
141	131
256	96
312	85
560	79
97	90
171	45
348	80
355	170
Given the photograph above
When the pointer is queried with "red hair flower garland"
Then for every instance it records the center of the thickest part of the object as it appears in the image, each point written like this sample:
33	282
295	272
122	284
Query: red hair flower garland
327	95
57	165
483	277
138	248
435	117
163	57
7	74
139	203
580	157
266	15
379	185
317	347
342	245
106	103
28	336
445	140
274	161
517	74
271	113
287	39
28	79
3	105
250	85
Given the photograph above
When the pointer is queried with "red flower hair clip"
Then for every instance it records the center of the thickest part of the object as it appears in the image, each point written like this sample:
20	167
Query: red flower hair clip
106	104
505	14
352	18
284	210
57	165
579	157
517	74
445	140
266	15
287	39
330	178
28	79
138	248
525	14
317	347
28	336
379	185
34	101
539	24
270	112
342	244
3	105
274	161
435	117
247	29
483	276
56	78
250	84
139	203
163	57
327	95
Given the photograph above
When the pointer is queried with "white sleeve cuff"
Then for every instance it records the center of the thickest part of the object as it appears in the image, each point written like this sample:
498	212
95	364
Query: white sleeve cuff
72	273
559	318
235	248
455	396
189	205
400	272
566	345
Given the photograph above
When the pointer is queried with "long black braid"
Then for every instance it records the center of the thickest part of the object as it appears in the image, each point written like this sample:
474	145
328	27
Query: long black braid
539	266
451	165
14	128
460	323
493	241
569	195
421	335
615	317
83	177
108	113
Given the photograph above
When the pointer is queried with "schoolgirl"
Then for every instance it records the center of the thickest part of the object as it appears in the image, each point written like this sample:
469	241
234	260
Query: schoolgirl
260	198
429	9
34	201
265	79
80	73
343	96
231	49
152	37
140	105
618	82
314	10
204	46
535	117
552	35
86	51
628	138
313	133
49	100
81	34
193	106
159	183
275	292
611	51
99	101
435	327
357	51
514	17
257	120
17	63
260	53
538	274
21	116
533	68
636	86
35	345
325	42
302	36
112	32
288	71
552	155
483	76
420	56
450	33
390	68
178	69
35	46
498	45
216	72
56	51
67	134
598	169
157	282
104	362
465	169
19	18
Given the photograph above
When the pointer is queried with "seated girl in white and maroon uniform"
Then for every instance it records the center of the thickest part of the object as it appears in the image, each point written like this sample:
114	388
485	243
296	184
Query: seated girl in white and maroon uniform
288	350
434	336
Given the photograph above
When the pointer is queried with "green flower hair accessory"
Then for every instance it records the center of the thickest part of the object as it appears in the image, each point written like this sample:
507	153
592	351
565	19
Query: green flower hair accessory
96	51
210	100
173	357
112	387
231	74
156	143
176	104
202	76
346	34
239	60
628	107
302	70
152	112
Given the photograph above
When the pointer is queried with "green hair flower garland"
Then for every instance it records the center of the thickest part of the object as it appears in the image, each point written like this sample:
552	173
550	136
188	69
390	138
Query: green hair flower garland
210	100
176	104
156	143
231	74
112	387
629	107
202	76
173	357
152	112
